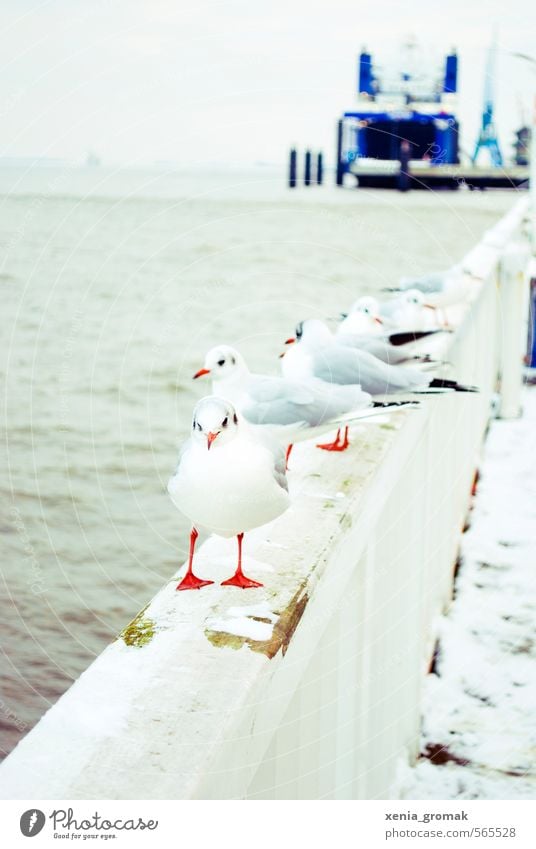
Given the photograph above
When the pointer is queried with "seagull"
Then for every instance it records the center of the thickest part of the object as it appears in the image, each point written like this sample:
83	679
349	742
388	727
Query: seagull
363	328
291	410
363	318
407	311
440	288
317	354
229	480
370	317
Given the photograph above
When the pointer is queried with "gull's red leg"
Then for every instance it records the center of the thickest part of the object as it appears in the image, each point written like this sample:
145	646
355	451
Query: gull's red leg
191	581
239	579
331	446
337	445
287	455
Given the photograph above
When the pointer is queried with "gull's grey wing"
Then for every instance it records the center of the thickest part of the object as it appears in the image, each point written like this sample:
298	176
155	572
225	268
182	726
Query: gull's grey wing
280	467
274	400
336	364
379	346
279	457
264	389
428	284
278	401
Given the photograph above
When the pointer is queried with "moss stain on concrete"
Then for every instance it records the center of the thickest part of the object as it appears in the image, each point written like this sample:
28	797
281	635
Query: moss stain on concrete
282	633
140	631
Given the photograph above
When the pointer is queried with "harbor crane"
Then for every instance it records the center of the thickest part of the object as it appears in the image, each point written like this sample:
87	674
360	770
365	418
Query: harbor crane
487	137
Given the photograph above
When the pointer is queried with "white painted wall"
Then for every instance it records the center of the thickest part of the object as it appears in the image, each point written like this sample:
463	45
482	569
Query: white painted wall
309	687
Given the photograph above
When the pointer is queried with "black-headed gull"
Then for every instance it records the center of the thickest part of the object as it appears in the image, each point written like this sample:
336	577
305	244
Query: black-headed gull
370	317
363	328
362	318
229	480
318	354
407	311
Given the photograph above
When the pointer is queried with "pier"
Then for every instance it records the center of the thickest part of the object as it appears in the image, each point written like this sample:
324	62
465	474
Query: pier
406	134
386	174
310	687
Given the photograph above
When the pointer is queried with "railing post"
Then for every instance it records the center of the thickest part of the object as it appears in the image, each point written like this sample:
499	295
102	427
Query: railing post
513	305
531	335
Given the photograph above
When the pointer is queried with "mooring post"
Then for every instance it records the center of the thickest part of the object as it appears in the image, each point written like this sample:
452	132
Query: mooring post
403	174
513	309
307	169
292	168
339	172
319	169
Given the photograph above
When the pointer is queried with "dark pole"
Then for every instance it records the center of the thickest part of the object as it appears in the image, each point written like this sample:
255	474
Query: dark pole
319	169
307	171
339	154
292	168
531	347
403	174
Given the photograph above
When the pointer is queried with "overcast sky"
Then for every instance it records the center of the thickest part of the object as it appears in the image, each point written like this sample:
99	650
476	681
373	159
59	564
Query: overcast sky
139	81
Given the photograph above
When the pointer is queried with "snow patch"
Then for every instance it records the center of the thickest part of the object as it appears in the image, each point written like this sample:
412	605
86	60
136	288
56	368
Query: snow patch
242	626
479	702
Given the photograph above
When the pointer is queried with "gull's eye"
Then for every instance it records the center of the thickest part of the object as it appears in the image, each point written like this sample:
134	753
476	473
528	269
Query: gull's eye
221	362
299	331
196	425
225	422
235	418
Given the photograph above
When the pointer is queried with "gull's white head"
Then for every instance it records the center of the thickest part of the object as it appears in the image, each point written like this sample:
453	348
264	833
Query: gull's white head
367	305
223	363
413	297
214	422
311	333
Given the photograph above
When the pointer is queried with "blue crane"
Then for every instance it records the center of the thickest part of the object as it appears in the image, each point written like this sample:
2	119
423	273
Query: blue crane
487	136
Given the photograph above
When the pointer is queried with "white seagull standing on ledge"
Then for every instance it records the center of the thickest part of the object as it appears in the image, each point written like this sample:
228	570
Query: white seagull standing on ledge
229	480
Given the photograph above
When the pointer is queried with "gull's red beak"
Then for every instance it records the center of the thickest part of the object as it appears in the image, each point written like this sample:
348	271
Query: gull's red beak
378	320
290	341
201	372
210	438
